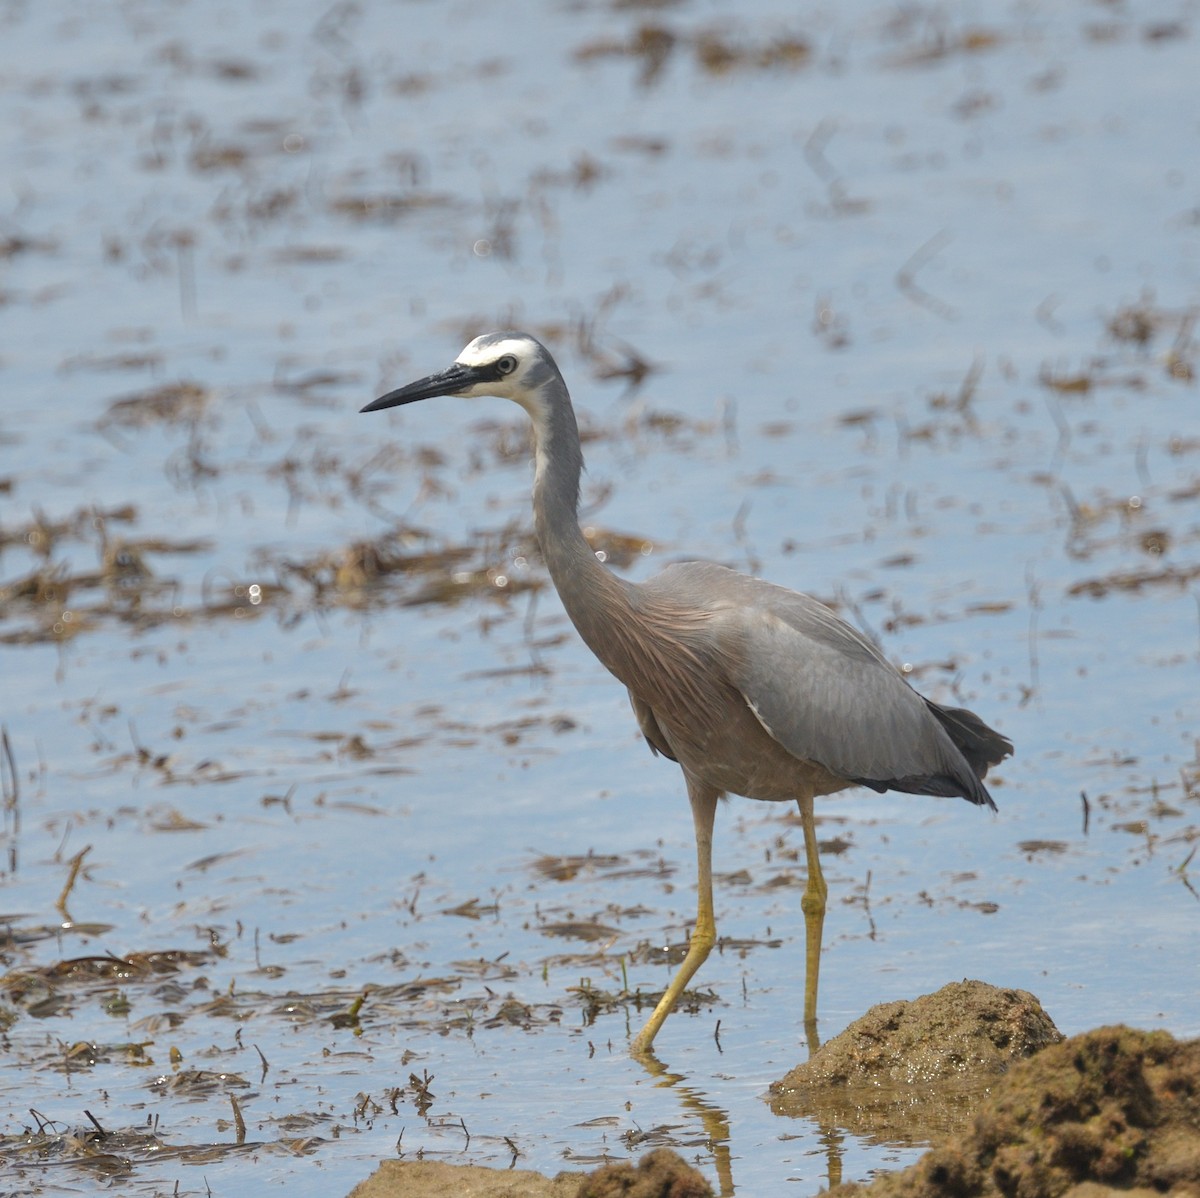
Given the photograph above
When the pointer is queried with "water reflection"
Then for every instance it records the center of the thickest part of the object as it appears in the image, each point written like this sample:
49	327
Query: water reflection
714	1119
828	1130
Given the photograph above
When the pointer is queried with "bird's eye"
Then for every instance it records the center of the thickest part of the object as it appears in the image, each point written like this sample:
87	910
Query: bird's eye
507	364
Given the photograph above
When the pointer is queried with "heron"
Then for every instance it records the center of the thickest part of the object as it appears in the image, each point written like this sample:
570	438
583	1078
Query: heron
753	689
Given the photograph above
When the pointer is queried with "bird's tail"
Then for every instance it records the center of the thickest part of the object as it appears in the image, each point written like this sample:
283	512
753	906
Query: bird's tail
983	747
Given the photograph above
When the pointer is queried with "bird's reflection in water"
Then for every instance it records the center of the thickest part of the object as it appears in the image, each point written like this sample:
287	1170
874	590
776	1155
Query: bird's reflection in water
715	1121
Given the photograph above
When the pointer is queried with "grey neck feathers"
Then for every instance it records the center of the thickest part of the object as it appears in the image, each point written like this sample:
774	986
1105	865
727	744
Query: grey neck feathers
593	596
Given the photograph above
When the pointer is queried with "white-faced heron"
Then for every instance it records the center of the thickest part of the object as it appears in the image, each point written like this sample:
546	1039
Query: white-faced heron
753	689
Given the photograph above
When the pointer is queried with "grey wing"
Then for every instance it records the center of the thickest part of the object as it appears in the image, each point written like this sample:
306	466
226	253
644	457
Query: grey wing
825	693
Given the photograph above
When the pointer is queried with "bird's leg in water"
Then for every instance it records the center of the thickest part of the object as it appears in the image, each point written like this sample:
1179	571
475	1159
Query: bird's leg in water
704	807
813	906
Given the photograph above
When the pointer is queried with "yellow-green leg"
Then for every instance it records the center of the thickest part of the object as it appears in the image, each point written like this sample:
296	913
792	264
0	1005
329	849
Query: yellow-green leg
704	808
813	906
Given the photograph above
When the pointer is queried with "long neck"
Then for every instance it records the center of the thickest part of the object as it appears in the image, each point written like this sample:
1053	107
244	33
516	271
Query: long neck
645	644
596	599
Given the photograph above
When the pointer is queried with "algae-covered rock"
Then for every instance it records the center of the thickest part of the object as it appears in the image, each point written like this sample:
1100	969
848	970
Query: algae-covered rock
1110	1110
436	1179
659	1174
908	1071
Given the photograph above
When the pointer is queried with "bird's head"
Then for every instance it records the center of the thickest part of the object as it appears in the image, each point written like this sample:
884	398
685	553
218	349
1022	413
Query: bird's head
511	365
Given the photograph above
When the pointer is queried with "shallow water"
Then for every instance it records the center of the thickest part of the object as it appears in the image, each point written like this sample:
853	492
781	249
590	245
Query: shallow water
919	307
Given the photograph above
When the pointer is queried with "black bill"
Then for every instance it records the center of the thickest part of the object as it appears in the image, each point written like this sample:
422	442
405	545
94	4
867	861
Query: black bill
446	382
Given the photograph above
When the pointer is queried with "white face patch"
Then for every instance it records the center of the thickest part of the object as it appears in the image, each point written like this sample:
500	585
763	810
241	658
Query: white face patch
487	349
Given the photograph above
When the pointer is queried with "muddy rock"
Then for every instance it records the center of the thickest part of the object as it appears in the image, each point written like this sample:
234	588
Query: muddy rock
909	1071
1112	1110
436	1179
659	1174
